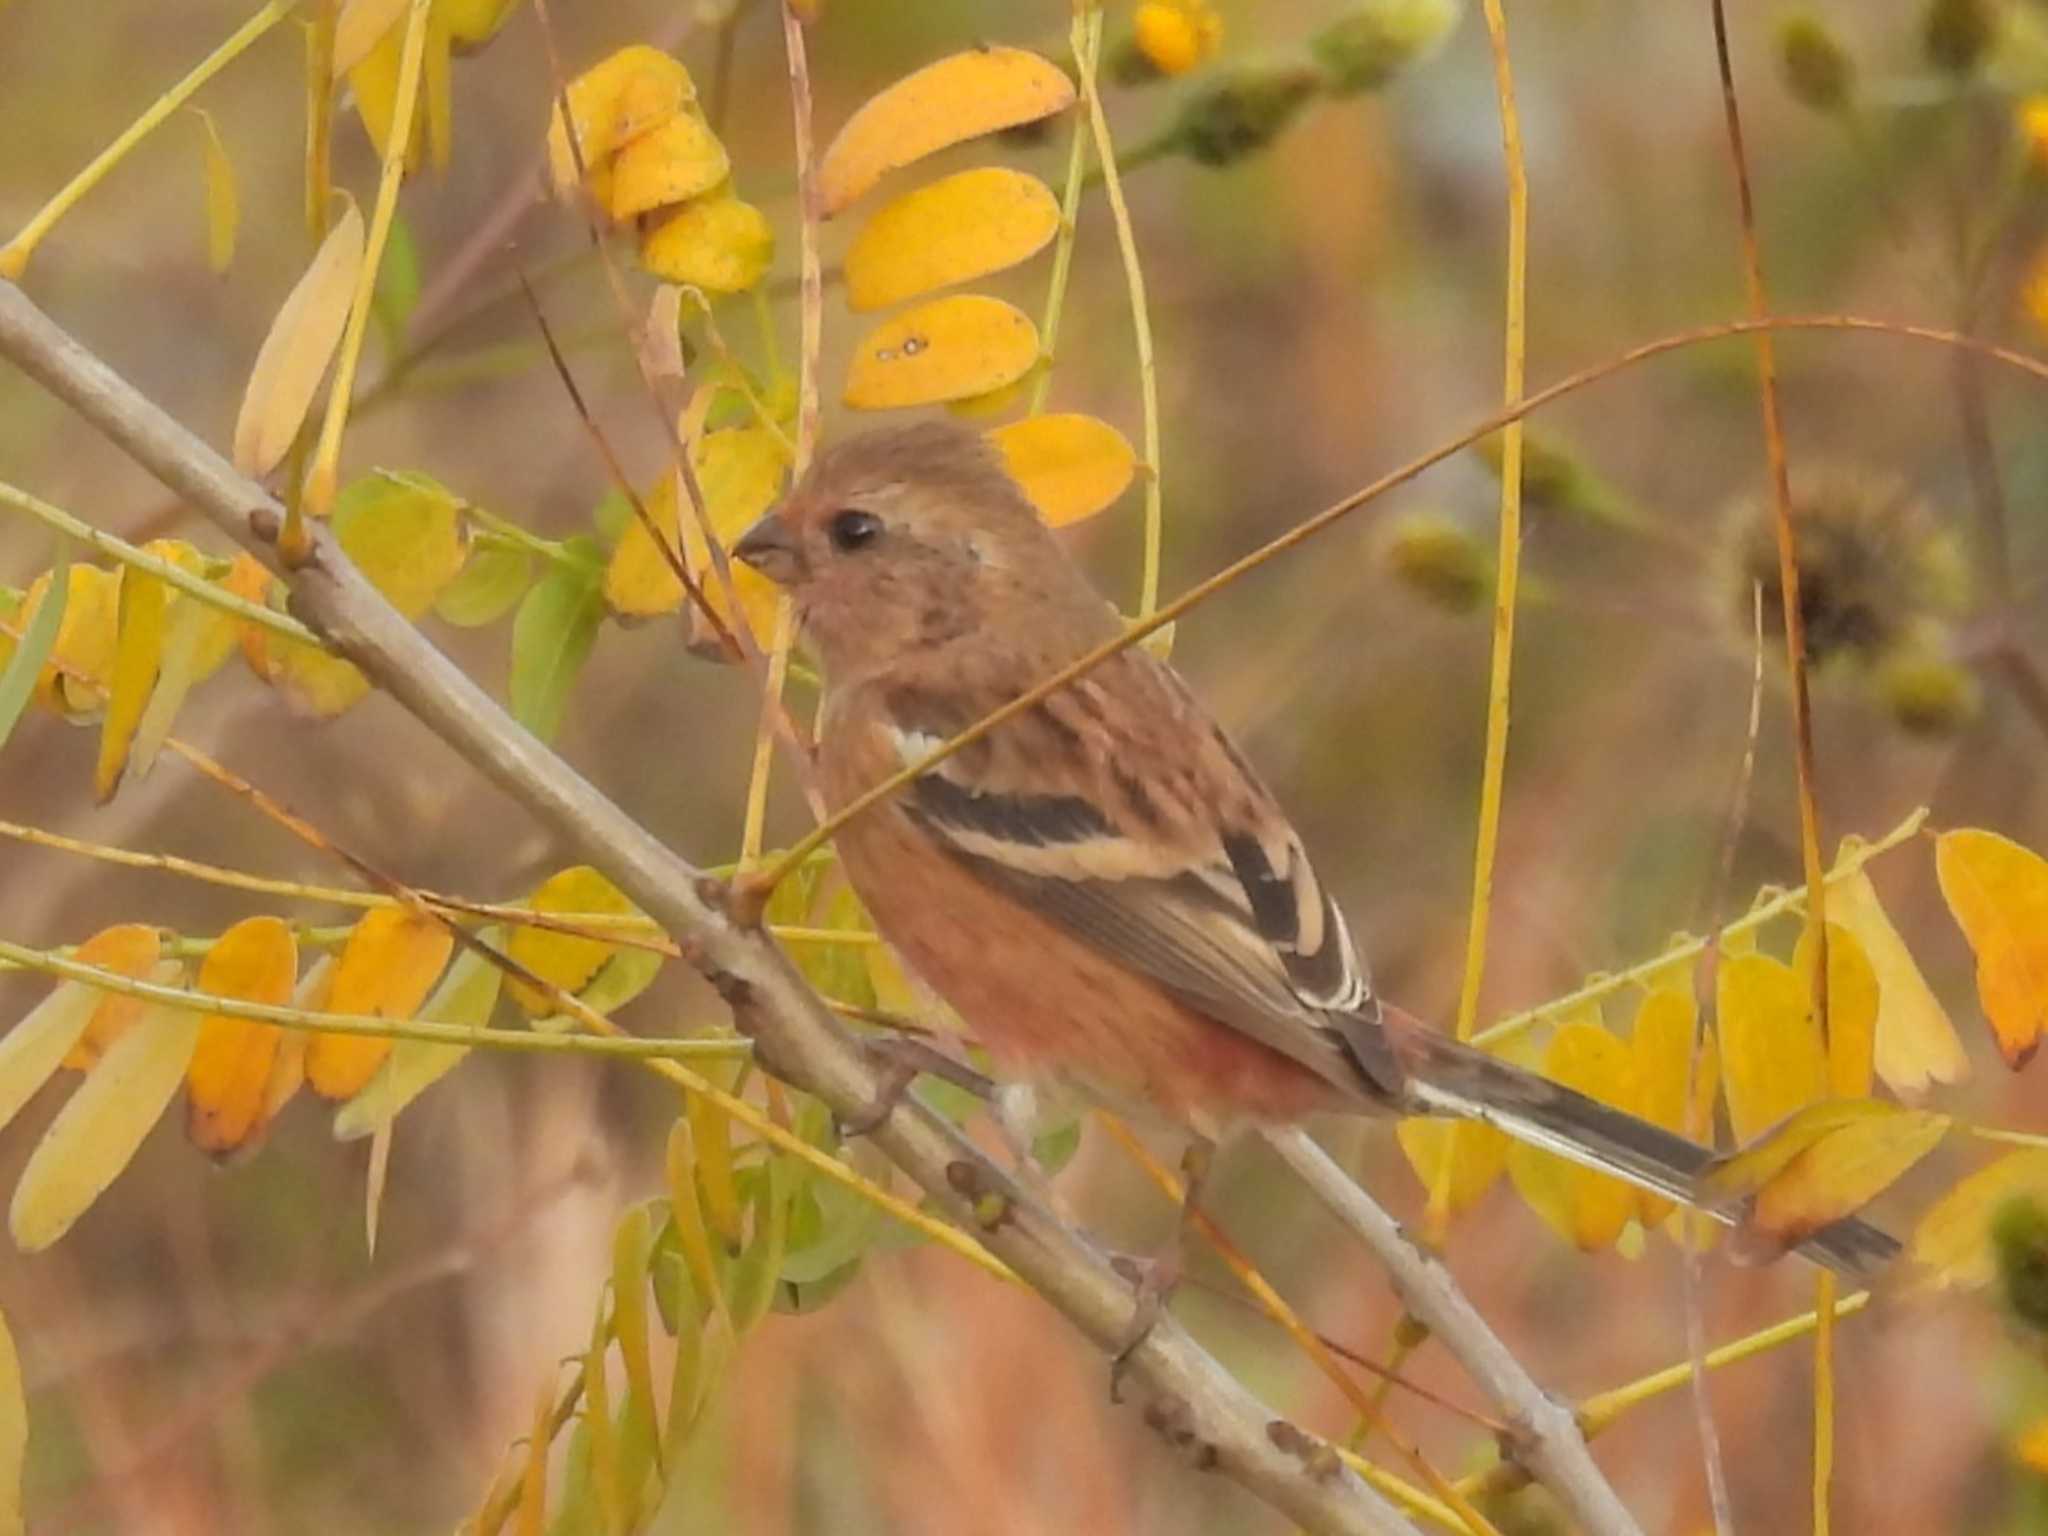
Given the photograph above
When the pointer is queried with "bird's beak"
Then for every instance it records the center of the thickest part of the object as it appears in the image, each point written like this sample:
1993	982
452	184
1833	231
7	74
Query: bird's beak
769	549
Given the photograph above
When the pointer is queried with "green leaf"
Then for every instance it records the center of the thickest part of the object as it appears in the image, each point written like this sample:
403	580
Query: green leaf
551	639
13	1435
398	284
490	583
404	530
18	681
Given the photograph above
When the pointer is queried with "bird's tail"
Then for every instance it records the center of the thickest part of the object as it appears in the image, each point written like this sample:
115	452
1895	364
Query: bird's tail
1440	1076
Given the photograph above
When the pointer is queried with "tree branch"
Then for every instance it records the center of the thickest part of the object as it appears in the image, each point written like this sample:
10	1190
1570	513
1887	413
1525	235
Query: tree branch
1543	1434
1191	1400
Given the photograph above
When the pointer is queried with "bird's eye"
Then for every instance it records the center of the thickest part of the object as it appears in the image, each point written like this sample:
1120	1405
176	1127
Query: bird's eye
853	529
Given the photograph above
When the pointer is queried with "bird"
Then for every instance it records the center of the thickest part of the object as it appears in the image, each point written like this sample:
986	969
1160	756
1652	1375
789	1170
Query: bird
1102	887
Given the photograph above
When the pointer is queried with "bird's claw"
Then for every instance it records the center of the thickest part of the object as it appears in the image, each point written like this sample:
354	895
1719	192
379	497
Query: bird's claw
1153	1283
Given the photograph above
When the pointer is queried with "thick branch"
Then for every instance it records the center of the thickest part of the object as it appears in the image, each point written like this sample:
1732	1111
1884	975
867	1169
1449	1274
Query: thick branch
1544	1436
1191	1400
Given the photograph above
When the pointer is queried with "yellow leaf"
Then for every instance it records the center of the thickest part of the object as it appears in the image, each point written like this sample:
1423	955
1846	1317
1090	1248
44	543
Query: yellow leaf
138	652
1844	1170
1998	892
386	968
256	961
312	682
295	354
223	207
615	101
1662	1060
1916	1044
73	681
197	639
1852	1008
473	22
566	959
740	470
373	81
288	1067
670	163
13	1435
359	27
714	242
957	98
1070	466
2030	1447
1952	1243
1477	1153
101	1125
405	533
466	995
127	949
1176	35
1772	1059
949	348
1587	1208
953	230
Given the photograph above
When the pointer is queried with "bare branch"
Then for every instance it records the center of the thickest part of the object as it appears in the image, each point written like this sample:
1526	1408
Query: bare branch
1191	1400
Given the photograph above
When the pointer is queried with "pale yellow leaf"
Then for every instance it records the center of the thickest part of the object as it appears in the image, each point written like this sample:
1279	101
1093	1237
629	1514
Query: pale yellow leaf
1071	466
36	1046
1952	1242
101	1125
1772	1058
957	98
952	231
295	354
1998	892
949	348
133	950
1844	1171
223	206
1916	1044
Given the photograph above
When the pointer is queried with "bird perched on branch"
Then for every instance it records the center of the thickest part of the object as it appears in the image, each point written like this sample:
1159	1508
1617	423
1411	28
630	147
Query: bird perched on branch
1101	886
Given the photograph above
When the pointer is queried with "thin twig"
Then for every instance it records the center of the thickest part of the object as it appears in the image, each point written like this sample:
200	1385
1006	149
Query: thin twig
1802	703
1543	1435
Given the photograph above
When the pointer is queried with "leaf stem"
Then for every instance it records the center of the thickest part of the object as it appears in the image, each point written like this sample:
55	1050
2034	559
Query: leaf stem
1070	223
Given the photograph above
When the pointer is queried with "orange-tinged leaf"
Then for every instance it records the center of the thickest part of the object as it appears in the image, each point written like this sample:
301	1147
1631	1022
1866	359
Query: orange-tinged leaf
405	533
288	1068
312	682
138	653
1071	466
614	101
1844	1171
73	681
670	163
1477	1156
1589	1209
957	98
386	969
951	231
256	961
1741	1174
2030	1447
223	207
1916	1044
944	350
715	242
101	1125
566	959
1772	1058
127	949
1952	1242
1853	1001
466	995
1998	892
295	355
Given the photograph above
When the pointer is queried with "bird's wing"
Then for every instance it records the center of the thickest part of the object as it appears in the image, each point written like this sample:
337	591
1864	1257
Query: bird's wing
1118	809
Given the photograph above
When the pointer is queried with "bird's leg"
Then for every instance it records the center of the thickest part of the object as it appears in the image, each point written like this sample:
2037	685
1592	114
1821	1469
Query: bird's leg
1154	1279
901	1058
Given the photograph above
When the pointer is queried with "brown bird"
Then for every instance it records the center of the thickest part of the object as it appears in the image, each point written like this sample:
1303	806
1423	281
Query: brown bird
1102	887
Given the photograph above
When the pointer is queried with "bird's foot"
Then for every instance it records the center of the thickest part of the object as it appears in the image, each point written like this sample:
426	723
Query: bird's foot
1153	1282
900	1059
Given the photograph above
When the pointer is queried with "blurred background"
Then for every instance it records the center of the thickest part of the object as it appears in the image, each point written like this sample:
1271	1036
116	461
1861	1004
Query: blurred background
211	1349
